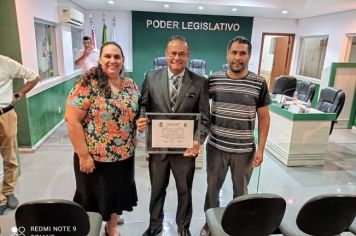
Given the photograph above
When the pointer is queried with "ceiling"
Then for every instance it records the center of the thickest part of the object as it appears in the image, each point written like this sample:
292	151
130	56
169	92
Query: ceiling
297	9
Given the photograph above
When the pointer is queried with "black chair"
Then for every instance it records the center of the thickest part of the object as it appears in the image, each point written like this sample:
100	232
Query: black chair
197	66
323	215
159	62
224	67
352	227
252	214
306	91
331	100
284	85
56	217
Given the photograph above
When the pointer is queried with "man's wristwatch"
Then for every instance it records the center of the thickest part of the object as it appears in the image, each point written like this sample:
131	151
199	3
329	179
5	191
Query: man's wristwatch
16	95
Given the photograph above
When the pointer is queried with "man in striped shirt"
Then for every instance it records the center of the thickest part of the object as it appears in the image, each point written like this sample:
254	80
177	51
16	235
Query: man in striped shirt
237	95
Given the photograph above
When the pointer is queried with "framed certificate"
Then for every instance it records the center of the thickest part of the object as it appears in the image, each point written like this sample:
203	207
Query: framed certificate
171	132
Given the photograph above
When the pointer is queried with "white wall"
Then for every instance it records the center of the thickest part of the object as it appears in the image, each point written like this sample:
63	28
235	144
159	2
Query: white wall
42	9
46	10
265	25
123	30
336	26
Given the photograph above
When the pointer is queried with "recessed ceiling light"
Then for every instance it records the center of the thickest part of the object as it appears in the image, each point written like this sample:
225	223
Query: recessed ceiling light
111	2
234	9
200	7
284	12
166	5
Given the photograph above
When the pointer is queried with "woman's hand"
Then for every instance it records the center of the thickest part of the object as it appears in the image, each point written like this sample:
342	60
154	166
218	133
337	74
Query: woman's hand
141	124
86	164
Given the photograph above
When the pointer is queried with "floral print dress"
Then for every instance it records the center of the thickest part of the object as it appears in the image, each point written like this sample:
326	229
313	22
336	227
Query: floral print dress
109	124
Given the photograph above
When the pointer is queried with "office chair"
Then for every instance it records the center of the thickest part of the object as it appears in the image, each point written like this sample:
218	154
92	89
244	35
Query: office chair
323	215
159	62
224	67
352	227
331	100
197	66
306	91
59	217
284	85
251	214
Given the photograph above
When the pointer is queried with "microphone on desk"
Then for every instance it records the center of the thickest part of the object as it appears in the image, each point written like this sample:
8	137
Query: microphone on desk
288	90
281	104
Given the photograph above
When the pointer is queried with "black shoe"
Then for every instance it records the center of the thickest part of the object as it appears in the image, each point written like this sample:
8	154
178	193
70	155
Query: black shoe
184	232
153	232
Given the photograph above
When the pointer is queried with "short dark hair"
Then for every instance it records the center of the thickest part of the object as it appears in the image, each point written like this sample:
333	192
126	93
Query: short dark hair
85	38
179	38
242	40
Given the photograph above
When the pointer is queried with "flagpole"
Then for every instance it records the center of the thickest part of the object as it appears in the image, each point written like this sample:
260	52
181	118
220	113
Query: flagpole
93	38
113	34
104	38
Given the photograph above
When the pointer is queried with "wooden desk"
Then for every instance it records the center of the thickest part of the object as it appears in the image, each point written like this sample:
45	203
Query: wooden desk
298	139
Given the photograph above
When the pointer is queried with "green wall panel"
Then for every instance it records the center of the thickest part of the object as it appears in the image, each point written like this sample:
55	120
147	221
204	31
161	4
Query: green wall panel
9	33
209	45
46	110
23	126
10	46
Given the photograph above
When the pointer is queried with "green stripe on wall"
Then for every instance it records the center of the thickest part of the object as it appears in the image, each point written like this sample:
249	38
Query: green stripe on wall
46	110
9	33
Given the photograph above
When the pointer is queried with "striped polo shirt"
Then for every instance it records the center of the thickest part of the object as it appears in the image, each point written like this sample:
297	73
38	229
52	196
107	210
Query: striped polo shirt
233	110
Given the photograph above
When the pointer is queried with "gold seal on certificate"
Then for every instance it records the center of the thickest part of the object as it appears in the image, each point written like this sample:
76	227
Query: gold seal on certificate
171	132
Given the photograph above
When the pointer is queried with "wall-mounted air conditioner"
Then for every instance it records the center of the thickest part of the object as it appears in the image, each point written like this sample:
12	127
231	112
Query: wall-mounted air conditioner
70	15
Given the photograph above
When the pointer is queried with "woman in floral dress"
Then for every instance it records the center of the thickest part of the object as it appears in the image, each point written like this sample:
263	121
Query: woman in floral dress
100	115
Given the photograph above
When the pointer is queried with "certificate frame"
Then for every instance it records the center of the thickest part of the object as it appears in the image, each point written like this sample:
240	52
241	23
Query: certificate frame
171	133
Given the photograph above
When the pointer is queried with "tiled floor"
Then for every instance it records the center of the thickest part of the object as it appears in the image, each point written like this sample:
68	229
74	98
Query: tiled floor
48	173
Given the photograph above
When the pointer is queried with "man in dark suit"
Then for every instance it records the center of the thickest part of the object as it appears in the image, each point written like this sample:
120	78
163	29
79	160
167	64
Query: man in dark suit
174	89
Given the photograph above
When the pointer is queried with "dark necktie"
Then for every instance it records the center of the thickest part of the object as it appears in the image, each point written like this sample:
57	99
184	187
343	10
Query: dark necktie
174	92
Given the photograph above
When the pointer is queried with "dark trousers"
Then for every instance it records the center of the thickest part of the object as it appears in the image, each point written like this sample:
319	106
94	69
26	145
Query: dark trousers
217	165
183	172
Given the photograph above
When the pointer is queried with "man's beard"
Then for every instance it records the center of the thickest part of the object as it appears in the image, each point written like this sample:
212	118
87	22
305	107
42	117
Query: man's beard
238	69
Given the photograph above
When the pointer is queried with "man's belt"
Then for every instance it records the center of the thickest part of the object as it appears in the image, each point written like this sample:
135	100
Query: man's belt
6	109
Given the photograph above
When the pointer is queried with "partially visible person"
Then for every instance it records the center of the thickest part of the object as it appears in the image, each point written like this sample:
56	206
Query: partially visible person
10	70
174	89
237	95
88	56
100	115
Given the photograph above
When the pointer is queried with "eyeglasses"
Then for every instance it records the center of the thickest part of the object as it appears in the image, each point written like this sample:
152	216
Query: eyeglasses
179	54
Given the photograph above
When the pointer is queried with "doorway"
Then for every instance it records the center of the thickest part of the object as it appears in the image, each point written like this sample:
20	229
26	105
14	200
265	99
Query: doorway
350	55
275	56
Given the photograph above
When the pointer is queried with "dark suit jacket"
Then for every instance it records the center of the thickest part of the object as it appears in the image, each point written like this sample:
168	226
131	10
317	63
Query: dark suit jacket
192	97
